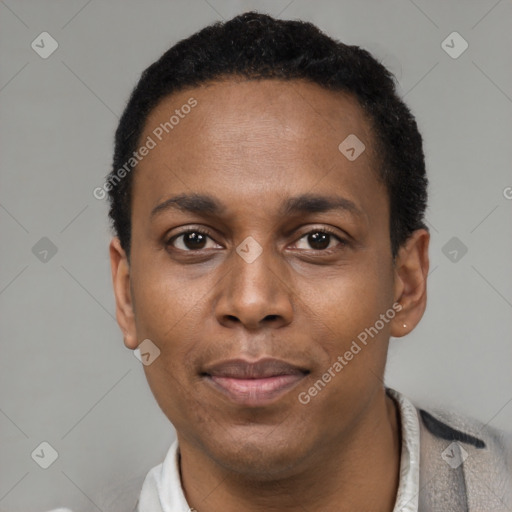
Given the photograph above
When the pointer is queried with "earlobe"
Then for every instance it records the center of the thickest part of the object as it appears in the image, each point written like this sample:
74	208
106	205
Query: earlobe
120	268
411	271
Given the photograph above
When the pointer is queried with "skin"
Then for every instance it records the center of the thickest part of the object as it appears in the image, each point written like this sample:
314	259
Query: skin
252	145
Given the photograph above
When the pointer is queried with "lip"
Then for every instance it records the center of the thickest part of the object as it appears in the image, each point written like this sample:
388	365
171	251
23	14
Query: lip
254	383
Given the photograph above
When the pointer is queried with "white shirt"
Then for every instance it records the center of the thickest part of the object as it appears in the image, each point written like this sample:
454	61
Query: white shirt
162	491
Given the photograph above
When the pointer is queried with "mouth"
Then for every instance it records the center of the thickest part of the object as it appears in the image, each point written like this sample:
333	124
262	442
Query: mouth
253	384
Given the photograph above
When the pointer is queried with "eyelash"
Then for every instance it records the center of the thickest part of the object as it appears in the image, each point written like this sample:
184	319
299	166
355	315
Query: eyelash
201	231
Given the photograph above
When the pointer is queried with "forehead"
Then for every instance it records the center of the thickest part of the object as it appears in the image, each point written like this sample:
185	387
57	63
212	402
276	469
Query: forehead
256	137
294	110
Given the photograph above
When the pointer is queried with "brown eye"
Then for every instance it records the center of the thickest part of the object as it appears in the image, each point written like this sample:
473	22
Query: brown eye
320	240
189	240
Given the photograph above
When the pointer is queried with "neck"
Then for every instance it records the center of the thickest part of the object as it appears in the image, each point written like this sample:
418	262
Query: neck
358	473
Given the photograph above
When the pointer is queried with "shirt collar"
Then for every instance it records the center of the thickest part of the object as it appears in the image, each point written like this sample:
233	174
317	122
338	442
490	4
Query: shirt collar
162	490
408	486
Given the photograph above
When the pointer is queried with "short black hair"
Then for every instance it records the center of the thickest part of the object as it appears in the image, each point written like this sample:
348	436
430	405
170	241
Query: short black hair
256	46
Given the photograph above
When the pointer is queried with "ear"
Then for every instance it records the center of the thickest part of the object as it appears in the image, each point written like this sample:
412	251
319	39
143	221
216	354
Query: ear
121	281
411	271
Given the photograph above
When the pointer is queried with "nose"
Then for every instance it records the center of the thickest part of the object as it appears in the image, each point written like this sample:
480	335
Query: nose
255	294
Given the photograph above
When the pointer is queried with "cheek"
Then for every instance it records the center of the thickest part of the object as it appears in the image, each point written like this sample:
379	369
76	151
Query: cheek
166	313
164	301
352	300
350	307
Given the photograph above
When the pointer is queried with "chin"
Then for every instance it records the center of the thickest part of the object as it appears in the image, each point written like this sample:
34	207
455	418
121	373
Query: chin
261	454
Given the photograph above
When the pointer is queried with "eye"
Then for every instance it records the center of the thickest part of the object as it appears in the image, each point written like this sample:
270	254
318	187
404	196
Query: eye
197	239
193	239
321	239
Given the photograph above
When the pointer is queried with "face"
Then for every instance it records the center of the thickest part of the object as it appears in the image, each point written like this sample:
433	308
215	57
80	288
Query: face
256	240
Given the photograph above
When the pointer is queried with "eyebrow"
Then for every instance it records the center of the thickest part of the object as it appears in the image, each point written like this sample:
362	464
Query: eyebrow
203	204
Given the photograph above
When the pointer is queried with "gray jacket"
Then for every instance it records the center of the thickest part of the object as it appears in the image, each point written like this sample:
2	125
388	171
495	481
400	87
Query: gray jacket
465	465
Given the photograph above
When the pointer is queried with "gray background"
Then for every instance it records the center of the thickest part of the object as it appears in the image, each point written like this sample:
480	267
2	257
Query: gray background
67	378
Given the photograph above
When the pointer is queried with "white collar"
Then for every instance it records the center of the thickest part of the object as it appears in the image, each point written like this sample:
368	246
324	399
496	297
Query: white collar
409	483
162	491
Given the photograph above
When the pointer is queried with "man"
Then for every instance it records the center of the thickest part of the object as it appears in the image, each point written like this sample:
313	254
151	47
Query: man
267	195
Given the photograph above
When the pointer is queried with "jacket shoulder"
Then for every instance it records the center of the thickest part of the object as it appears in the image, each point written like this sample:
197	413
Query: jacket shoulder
471	459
